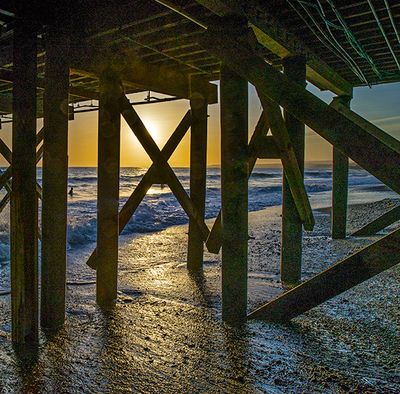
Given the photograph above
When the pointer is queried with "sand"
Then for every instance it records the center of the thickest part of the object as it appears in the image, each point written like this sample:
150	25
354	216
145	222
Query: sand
165	334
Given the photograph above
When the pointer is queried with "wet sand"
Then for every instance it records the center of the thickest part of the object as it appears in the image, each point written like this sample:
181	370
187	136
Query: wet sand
165	334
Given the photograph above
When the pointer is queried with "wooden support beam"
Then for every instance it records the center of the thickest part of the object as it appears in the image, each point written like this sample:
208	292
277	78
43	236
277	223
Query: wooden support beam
266	148
342	276
293	173
214	240
379	223
364	124
55	181
271	34
144	137
147	180
5	151
234	195
24	210
8	76
108	189
340	180
198	170
6	175
352	138
89	60
292	231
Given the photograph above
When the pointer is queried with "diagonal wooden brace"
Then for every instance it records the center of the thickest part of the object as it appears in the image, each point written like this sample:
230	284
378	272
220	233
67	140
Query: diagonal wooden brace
354	140
342	276
146	182
6	152
379	223
144	137
289	162
214	240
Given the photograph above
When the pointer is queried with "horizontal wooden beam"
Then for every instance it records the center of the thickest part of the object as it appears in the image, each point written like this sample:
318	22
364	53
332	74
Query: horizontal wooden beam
365	148
379	223
274	36
91	59
342	276
7	76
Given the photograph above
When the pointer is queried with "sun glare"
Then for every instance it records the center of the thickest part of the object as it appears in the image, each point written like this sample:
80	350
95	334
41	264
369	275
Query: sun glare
154	129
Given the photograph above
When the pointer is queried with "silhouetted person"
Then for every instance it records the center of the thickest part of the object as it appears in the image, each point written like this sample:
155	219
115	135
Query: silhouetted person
71	191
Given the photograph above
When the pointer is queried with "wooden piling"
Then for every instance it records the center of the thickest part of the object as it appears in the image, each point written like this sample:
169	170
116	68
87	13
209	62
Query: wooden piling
340	175
234	189
198	170
24	221
292	230
108	189
55	180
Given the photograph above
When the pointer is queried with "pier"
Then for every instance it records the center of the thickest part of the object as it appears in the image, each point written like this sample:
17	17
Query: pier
55	56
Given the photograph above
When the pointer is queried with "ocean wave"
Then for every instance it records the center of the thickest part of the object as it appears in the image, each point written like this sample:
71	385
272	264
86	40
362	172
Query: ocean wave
161	209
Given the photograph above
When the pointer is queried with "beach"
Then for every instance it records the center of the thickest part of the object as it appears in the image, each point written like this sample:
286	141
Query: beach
165	333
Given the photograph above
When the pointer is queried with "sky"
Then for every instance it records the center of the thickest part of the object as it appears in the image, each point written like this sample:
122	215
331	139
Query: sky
379	104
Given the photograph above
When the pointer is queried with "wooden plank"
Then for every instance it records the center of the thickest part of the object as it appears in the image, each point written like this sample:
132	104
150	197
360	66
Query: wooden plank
360	144
198	170
144	137
340	175
214	240
234	195
271	34
342	276
24	211
145	183
55	181
108	189
379	223
290	164
294	68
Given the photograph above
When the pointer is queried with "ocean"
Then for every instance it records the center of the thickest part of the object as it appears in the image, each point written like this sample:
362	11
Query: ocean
160	209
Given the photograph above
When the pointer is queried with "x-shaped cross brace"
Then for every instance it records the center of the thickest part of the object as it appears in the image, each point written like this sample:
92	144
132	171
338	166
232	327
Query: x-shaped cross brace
148	179
6	176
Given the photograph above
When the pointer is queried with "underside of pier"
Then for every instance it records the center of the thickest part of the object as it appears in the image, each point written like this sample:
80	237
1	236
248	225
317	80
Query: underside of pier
55	56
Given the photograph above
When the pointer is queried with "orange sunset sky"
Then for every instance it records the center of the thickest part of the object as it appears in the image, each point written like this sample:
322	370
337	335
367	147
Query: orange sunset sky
379	105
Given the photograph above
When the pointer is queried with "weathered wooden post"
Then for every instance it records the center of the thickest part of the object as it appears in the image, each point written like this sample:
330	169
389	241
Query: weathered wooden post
24	220
55	180
198	169
292	230
340	175
108	189
234	188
